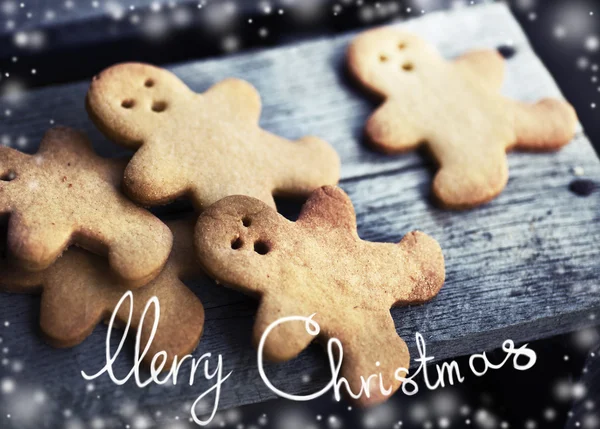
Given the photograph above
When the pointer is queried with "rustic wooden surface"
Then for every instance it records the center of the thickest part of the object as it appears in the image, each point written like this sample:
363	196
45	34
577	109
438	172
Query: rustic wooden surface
525	266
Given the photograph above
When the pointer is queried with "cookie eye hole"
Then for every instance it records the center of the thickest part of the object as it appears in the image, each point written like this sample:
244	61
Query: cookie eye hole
408	67
246	221
149	83
383	58
401	45
128	103
261	247
159	106
237	243
9	176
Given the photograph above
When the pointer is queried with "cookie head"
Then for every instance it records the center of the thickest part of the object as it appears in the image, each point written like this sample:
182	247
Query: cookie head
382	59
128	101
240	229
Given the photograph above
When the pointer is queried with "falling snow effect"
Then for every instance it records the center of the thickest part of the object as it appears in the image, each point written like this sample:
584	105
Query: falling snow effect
26	405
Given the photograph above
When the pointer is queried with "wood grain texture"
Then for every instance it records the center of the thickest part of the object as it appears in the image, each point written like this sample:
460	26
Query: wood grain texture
525	266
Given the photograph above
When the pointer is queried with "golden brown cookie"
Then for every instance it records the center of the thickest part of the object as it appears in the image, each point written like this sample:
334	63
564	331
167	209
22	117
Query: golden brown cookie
205	146
79	291
456	108
320	265
66	194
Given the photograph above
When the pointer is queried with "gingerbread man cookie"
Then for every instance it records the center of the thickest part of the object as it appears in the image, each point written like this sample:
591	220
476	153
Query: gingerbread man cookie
320	265
66	194
457	109
205	146
79	291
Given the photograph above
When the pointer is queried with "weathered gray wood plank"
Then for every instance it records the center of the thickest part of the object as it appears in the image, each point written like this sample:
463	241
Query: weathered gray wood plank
524	267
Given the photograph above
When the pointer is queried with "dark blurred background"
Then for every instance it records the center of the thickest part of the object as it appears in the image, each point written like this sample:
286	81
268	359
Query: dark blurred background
50	42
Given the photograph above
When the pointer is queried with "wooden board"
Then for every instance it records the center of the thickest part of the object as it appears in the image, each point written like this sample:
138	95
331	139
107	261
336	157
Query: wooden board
524	267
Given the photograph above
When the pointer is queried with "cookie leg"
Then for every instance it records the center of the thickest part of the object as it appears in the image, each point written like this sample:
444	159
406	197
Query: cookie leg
462	186
181	318
547	125
391	130
150	178
138	252
302	166
286	340
69	310
372	348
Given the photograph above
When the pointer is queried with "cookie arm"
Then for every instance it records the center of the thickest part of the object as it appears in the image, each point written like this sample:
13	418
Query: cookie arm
421	270
66	143
544	126
288	339
238	99
485	65
328	207
392	130
300	167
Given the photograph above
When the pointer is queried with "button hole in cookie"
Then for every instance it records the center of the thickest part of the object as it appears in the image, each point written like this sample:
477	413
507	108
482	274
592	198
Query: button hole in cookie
237	243
128	104
401	45
261	247
149	83
408	67
159	106
8	176
383	58
246	221
507	51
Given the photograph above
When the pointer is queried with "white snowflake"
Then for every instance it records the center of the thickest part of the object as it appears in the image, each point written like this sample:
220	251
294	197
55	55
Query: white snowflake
114	10
560	32
8	7
592	43
549	414
7	386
